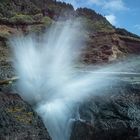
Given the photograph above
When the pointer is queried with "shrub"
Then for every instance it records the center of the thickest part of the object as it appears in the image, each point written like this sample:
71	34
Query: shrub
4	34
38	17
22	18
47	20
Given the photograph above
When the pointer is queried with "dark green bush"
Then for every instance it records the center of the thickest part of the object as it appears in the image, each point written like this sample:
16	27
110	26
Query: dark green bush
47	20
22	18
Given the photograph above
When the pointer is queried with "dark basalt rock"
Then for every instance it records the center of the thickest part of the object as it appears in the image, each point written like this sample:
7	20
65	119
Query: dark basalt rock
113	116
88	132
19	121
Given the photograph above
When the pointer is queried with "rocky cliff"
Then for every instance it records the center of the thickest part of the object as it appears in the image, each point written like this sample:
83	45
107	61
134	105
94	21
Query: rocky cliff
110	46
114	117
19	121
105	42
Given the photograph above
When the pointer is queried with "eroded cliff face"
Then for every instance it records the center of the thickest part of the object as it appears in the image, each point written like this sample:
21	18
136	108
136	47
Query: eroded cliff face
105	43
109	47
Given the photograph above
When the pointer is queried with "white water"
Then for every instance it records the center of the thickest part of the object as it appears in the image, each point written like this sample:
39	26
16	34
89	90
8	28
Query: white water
50	81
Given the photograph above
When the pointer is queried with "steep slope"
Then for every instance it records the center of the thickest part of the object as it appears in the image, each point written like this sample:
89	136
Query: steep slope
105	42
110	46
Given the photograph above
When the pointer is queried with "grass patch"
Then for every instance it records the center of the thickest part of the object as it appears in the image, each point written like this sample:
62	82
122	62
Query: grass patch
21	115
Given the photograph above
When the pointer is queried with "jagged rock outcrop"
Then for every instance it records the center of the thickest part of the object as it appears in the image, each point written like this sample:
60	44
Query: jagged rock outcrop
19	121
111	116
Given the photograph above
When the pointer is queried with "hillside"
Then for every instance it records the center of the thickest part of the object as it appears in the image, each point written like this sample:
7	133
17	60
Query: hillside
35	15
109	119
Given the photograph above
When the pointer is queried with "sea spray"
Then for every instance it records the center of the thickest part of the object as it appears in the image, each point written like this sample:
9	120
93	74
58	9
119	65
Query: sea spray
50	80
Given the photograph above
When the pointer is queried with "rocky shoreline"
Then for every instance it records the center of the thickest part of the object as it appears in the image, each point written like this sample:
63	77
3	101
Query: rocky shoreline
19	121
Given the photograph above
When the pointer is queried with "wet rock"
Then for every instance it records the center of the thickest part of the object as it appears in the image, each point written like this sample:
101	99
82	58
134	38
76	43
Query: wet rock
19	121
112	116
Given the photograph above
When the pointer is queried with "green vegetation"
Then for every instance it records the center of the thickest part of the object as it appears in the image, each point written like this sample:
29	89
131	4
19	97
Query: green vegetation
20	114
126	33
37	28
4	34
96	25
49	10
59	7
93	21
38	17
130	38
22	18
47	20
5	31
4	1
46	11
102	26
6	10
88	13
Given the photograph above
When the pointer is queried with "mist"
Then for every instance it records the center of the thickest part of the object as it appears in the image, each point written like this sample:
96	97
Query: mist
51	81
